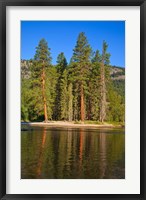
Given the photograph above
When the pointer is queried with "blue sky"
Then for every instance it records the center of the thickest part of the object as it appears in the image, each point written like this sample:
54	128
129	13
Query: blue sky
62	36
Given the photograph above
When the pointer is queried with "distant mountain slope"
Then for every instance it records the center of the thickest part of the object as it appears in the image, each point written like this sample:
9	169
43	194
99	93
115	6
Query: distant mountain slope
25	68
117	73
118	78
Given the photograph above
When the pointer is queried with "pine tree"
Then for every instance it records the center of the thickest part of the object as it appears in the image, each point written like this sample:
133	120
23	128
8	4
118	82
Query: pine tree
81	64
93	99
61	63
42	60
51	81
64	96
104	62
61	66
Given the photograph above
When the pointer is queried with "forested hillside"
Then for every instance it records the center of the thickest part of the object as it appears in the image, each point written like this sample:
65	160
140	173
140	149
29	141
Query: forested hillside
86	88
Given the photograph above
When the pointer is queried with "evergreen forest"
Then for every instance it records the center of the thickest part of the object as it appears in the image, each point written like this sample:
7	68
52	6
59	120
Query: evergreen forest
87	88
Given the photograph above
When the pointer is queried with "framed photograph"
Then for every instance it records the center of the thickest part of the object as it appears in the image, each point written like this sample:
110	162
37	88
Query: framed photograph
72	99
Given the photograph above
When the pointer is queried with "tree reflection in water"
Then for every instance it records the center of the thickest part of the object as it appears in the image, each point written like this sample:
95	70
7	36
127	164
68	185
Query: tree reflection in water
40	159
66	153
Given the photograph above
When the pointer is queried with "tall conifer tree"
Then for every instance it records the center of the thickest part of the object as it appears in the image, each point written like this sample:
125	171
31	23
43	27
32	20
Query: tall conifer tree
62	78
104	61
81	62
42	60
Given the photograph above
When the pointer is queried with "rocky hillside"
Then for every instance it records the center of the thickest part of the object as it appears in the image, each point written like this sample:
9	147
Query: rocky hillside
118	78
117	73
25	68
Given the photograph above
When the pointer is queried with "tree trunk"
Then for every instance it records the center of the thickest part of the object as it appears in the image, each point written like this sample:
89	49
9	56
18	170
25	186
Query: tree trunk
70	102
103	95
82	104
44	96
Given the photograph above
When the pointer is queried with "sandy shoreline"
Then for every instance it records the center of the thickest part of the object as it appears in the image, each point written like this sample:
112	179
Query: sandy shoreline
70	124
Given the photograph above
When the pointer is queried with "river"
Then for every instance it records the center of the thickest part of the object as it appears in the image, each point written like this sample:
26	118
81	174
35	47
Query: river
72	153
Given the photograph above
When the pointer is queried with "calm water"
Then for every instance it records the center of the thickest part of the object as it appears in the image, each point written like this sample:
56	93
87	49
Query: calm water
69	153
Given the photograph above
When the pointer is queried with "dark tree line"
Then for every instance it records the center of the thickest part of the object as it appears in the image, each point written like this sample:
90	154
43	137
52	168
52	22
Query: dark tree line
81	90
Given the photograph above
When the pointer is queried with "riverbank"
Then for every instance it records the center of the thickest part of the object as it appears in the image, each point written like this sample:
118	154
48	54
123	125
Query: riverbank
71	124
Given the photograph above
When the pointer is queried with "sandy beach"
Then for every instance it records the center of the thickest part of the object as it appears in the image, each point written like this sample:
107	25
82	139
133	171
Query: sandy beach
70	124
